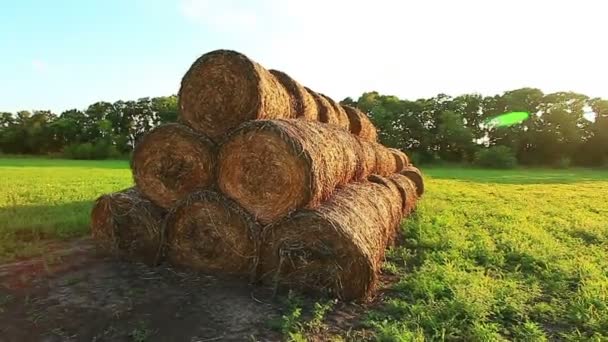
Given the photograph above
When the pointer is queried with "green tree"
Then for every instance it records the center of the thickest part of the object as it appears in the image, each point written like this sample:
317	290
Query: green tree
456	139
95	113
522	138
165	109
40	137
562	128
7	132
470	108
595	150
6	120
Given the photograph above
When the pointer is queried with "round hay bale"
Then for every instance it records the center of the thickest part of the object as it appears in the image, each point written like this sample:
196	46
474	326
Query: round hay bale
211	233
401	159
128	224
366	161
341	117
325	111
272	167
407	191
360	125
224	88
396	206
303	105
337	248
386	163
171	161
415	175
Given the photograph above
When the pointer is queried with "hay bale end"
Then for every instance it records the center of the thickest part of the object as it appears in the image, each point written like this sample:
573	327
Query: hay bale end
211	233
129	225
171	161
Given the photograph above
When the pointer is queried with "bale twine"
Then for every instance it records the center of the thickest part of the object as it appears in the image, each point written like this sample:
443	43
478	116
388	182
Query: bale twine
407	191
415	175
303	105
224	88
337	248
128	224
341	117
272	167
325	111
360	125
386	163
401	159
171	161
211	233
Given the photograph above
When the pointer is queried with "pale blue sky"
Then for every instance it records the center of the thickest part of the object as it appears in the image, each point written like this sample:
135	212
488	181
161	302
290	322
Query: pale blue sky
68	54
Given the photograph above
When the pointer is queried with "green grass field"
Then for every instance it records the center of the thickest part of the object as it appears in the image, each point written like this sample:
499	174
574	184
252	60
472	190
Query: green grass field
50	198
489	255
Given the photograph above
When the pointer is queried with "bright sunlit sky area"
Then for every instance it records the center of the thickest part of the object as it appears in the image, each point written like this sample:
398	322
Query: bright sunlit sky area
68	54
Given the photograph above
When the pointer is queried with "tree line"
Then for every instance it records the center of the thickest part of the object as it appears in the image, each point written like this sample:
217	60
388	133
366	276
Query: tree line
103	130
455	129
441	128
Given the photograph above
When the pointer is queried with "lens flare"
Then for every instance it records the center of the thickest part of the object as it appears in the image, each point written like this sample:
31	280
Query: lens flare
508	119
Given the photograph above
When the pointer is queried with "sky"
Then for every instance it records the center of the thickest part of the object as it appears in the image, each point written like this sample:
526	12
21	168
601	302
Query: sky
57	55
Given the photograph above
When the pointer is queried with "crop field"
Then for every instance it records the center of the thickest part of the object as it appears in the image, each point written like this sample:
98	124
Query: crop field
46	198
489	255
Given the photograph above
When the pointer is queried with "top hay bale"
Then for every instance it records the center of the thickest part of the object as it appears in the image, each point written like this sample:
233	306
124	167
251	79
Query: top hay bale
325	111
272	167
303	104
360	125
224	88
340	115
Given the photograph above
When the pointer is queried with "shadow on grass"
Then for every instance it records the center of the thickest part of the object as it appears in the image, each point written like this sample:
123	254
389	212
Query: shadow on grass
30	222
26	230
519	176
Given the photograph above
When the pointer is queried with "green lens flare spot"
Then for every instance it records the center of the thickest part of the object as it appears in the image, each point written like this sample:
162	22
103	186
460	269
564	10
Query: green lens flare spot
508	119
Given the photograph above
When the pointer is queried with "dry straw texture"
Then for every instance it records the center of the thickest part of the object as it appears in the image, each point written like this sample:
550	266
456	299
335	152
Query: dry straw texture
272	167
224	88
128	224
341	117
360	125
337	248
302	104
407	190
386	163
366	159
325	111
211	233
401	159
415	175
396	206
171	161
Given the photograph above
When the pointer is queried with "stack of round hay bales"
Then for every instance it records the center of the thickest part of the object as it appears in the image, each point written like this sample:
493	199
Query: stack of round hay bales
224	89
273	167
263	178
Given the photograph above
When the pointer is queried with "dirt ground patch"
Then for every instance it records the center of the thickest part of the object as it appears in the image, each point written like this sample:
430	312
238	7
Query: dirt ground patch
78	294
